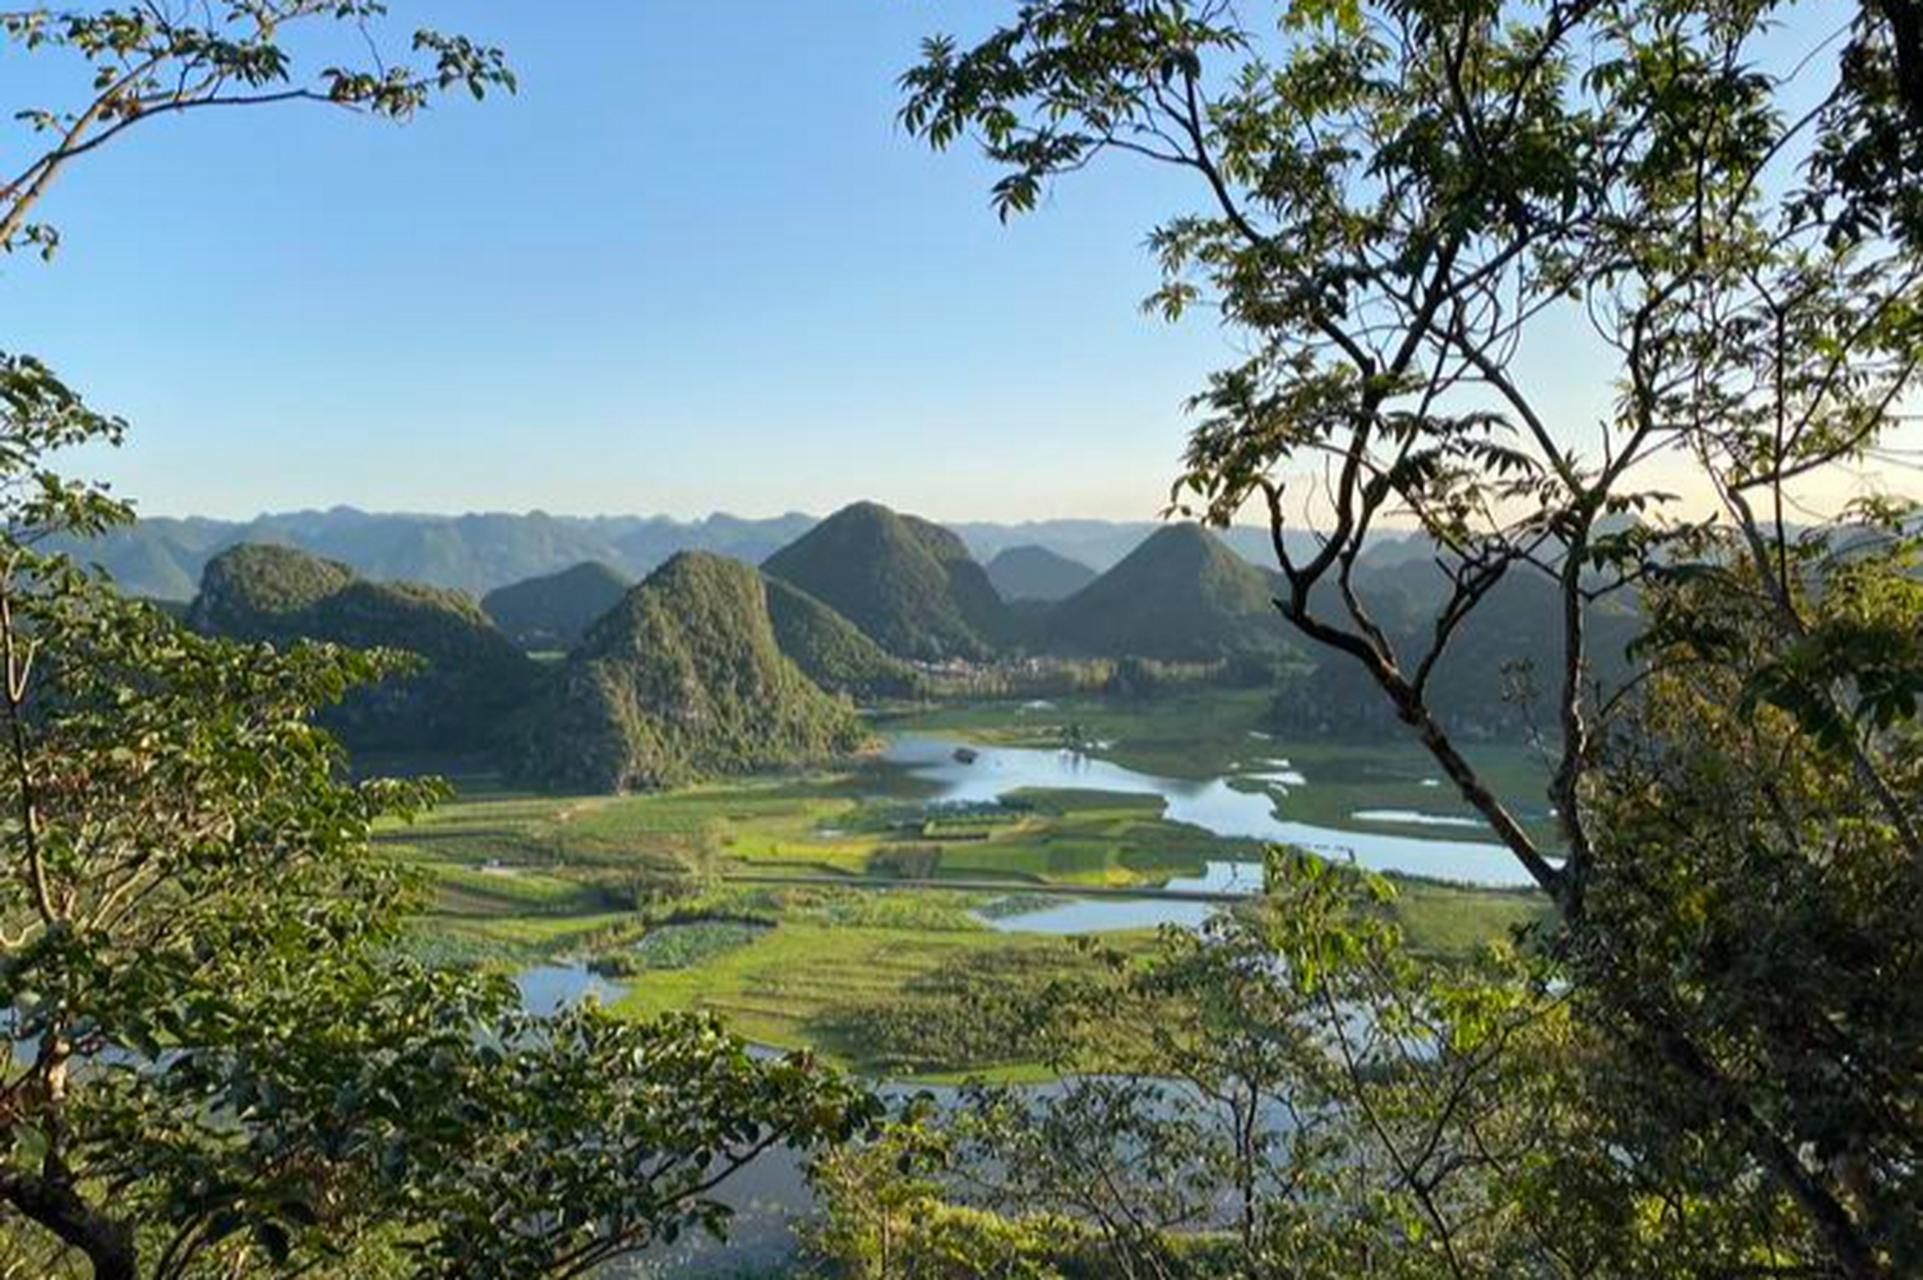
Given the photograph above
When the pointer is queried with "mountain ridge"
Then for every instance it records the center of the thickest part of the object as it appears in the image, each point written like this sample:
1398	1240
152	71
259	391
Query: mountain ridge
163	556
471	678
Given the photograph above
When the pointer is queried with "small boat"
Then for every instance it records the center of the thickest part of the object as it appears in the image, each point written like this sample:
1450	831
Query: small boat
966	755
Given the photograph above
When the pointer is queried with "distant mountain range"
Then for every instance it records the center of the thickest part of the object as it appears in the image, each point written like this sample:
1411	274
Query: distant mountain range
163	557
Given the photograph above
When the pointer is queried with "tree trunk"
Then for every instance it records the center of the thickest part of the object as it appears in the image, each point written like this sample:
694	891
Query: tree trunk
1906	38
55	1205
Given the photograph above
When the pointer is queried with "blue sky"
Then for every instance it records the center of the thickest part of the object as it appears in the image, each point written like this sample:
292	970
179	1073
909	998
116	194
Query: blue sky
694	265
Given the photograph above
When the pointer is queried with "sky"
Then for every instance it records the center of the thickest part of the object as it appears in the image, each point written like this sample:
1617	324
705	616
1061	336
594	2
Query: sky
693	265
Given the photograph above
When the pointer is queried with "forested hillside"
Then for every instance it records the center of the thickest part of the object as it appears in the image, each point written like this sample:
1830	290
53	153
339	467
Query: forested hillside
910	585
554	610
471	676
1182	596
832	651
683	679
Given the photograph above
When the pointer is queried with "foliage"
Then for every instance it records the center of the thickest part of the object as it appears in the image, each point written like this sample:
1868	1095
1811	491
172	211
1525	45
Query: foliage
977	1009
683	679
910	585
1281	1094
225	1068
219	1065
832	651
884	1218
468	677
1496	682
679	946
149	62
1397	199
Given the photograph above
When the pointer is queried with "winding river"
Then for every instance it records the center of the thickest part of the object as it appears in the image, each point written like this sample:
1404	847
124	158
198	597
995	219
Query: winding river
1242	806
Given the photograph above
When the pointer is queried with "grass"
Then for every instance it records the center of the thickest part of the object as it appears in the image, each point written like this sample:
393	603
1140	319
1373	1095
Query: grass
789	986
1443	920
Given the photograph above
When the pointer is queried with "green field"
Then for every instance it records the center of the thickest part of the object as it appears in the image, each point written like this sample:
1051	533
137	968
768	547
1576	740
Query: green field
768	900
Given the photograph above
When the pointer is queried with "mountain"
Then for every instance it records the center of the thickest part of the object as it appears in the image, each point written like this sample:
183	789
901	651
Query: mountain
472	677
911	586
1030	572
1103	544
832	651
1181	596
254	592
681	680
556	609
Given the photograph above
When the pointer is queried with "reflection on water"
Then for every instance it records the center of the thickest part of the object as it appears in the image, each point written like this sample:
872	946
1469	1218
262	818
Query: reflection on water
549	988
1414	818
1101	915
1216	806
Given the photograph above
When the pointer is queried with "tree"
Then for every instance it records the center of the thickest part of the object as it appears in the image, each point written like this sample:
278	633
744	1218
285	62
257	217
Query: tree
154	61
1285	1093
222	1062
1397	198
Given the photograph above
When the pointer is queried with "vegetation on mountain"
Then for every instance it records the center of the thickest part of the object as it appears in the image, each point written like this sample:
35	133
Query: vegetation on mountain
683	679
555	610
263	588
1181	596
1030	572
832	651
911	586
468	679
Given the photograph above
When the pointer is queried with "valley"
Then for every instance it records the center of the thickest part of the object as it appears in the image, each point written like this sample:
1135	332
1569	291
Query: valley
858	910
867	795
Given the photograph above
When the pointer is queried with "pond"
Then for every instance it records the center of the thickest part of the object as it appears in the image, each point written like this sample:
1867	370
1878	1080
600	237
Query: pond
1101	915
1242	805
546	989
